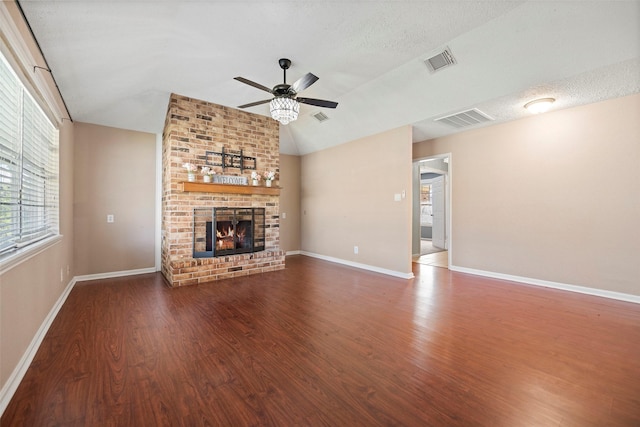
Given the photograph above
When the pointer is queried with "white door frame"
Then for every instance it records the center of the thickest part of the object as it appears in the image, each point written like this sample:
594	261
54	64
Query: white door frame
448	198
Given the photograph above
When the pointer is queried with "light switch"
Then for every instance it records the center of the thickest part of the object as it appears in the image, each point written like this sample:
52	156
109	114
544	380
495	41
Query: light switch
397	197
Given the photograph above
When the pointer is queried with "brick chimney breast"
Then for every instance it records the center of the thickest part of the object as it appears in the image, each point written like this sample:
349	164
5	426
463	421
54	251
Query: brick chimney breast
193	127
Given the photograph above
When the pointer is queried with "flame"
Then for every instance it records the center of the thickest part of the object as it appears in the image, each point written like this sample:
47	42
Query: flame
225	238
229	233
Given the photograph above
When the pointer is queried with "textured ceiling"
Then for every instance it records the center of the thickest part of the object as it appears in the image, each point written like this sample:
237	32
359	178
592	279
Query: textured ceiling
116	62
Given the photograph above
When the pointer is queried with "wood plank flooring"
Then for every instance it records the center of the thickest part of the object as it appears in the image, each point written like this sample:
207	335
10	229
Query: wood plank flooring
437	259
321	344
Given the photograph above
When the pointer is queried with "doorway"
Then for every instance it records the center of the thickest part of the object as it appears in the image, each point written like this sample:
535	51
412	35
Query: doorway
431	211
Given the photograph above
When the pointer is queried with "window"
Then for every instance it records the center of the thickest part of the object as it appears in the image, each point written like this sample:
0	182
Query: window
28	166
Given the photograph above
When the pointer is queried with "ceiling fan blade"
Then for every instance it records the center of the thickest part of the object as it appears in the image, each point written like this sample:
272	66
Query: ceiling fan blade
304	82
318	102
253	104
254	84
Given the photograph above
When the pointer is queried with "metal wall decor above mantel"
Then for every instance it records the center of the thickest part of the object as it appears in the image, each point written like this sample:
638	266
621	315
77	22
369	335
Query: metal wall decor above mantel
230	159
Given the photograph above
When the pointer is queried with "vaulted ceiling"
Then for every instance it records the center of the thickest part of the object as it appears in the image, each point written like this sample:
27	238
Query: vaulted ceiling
116	62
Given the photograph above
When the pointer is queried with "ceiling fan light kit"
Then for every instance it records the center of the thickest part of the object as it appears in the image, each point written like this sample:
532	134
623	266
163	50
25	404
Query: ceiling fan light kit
284	107
284	110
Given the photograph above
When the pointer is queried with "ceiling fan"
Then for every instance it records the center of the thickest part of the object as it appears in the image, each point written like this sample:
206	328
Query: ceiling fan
285	106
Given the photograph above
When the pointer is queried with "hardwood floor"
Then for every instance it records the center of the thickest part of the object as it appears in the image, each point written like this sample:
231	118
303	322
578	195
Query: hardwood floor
321	344
438	259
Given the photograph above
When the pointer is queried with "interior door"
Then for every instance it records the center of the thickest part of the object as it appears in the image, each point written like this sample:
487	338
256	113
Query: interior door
438	238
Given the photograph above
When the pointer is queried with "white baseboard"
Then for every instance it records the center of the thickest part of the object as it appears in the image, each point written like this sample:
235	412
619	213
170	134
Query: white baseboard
113	274
361	266
11	385
293	253
548	284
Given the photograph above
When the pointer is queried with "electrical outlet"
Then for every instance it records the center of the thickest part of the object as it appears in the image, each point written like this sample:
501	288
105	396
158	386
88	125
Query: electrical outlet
284	215
355	250
61	275
110	218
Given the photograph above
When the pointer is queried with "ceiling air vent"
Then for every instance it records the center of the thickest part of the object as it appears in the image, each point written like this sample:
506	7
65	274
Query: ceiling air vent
440	61
320	116
465	118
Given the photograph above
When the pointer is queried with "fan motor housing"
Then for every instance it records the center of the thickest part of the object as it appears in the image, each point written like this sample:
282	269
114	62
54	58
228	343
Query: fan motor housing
282	89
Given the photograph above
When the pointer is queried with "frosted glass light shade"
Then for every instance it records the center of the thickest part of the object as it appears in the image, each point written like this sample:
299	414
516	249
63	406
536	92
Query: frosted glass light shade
539	105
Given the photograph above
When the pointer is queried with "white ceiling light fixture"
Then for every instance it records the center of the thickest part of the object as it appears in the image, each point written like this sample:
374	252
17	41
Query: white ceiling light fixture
284	110
538	106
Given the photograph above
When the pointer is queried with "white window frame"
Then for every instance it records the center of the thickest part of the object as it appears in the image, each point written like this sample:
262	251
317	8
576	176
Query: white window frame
39	135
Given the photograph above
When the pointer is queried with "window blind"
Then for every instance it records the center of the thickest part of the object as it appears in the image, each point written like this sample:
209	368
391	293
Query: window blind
28	166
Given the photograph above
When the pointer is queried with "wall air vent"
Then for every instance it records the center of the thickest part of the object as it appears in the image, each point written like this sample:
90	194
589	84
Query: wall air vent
465	118
442	60
320	116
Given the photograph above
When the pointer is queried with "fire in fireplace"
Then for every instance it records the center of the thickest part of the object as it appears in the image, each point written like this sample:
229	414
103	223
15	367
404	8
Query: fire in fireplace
228	231
229	235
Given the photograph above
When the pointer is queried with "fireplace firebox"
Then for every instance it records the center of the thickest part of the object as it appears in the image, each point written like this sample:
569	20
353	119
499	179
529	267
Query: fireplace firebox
227	231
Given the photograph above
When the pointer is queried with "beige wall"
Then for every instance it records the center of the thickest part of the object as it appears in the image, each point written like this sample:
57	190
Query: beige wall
552	197
29	291
114	174
289	180
347	200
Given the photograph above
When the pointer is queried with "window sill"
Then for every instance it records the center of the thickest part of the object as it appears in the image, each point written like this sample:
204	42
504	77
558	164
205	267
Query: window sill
13	259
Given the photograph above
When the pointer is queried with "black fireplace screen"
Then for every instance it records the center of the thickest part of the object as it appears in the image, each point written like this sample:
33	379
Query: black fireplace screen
227	231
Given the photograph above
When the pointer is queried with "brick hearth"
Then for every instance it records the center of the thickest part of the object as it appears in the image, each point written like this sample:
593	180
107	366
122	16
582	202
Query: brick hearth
193	127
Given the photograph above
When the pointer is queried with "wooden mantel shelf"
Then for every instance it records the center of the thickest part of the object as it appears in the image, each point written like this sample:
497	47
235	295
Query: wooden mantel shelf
205	187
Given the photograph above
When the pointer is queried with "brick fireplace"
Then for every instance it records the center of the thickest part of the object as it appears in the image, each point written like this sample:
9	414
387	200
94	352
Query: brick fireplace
194	128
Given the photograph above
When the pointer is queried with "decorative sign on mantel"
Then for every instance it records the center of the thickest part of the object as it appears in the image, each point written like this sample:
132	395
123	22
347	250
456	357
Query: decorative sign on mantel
229	179
231	159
